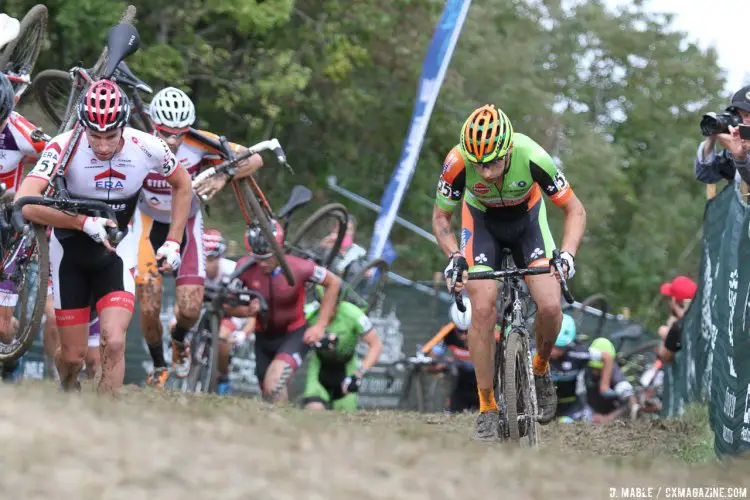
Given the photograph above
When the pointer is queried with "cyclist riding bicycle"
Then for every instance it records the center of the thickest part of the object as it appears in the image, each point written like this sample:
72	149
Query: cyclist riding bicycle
173	113
612	403
334	374
109	164
282	344
16	148
500	176
232	331
568	364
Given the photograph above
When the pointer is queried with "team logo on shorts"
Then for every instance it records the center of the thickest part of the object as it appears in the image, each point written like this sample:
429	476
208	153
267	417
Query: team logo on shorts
465	236
480	188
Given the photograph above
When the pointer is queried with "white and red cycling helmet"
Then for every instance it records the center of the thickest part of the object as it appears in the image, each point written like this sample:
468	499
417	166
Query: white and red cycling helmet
104	107
214	244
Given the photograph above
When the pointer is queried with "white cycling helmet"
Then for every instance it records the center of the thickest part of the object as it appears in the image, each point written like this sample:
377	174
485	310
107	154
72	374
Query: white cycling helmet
172	108
462	320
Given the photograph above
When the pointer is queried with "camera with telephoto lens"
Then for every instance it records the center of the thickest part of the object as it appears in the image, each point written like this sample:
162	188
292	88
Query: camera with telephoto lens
719	123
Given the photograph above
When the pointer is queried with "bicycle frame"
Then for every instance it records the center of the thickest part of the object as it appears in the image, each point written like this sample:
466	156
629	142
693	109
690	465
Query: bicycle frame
223	147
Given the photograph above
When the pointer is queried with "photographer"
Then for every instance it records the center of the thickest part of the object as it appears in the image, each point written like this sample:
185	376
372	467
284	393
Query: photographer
734	160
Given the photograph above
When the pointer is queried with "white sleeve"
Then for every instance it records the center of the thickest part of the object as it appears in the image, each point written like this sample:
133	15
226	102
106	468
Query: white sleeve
47	161
165	162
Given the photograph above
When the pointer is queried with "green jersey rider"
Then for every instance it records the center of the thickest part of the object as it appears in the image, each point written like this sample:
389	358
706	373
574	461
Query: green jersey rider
497	177
334	375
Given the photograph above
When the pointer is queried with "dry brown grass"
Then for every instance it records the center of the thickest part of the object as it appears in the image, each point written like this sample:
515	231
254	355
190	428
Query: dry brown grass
167	446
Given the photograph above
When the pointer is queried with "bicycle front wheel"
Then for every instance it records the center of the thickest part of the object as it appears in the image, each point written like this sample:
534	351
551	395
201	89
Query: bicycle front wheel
518	387
253	210
306	242
26	278
204	351
20	55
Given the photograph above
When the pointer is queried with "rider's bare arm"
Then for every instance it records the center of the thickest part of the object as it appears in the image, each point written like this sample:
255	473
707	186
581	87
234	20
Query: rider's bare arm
249	166
35	186
182	197
441	227
574	225
332	283
374	348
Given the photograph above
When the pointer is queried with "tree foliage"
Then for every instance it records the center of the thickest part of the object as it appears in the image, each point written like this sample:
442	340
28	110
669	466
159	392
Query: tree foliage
614	96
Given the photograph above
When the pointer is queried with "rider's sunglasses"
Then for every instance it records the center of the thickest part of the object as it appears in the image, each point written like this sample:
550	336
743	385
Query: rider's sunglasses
491	164
168	133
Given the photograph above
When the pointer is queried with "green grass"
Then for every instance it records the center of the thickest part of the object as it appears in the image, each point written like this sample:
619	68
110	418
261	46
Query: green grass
693	439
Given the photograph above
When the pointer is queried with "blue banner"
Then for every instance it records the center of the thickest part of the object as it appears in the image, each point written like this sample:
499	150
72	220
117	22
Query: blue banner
435	64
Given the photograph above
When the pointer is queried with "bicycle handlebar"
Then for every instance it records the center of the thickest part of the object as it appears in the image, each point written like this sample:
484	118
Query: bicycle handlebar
114	235
227	166
555	262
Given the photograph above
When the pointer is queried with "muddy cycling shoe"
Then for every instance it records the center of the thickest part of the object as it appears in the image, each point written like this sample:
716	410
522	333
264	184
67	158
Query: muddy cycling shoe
546	396
487	426
158	378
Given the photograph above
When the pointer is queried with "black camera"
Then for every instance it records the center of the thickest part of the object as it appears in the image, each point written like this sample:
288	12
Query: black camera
719	123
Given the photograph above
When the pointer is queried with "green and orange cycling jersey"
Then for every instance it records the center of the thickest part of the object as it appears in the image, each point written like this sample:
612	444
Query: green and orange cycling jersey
531	170
510	214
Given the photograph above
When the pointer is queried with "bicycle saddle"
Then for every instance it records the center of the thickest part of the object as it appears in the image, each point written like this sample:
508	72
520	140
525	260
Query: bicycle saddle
125	76
299	196
122	40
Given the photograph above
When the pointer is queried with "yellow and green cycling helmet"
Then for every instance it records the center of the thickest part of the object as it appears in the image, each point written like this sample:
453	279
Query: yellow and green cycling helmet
487	135
603	345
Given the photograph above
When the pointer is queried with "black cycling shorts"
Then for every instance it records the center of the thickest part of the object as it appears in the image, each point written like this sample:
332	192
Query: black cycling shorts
673	340
83	273
289	347
485	234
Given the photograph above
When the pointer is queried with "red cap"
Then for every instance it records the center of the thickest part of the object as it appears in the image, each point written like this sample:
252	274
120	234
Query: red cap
681	288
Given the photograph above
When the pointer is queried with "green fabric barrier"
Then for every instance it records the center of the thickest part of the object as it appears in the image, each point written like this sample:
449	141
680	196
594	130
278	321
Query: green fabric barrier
714	363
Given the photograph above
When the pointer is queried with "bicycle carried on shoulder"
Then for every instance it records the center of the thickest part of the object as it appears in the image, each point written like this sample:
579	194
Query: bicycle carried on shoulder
513	378
25	249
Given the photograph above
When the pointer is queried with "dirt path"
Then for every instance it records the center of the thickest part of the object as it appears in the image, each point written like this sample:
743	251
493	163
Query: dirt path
170	446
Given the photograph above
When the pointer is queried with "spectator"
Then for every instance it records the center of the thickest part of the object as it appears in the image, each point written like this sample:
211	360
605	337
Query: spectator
680	291
733	161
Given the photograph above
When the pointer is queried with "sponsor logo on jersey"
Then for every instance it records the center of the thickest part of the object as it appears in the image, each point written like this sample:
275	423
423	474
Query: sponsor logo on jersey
465	237
480	188
110	180
157	184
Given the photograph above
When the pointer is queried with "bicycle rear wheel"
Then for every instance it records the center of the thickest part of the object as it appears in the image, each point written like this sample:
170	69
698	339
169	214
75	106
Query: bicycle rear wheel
204	352
52	88
20	55
28	277
253	211
517	384
306	241
367	288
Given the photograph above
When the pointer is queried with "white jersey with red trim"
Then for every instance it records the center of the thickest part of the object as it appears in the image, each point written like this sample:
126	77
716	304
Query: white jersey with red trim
16	147
117	181
226	268
156	198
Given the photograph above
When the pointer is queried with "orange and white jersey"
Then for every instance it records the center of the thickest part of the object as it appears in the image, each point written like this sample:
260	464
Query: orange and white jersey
193	156
16	148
